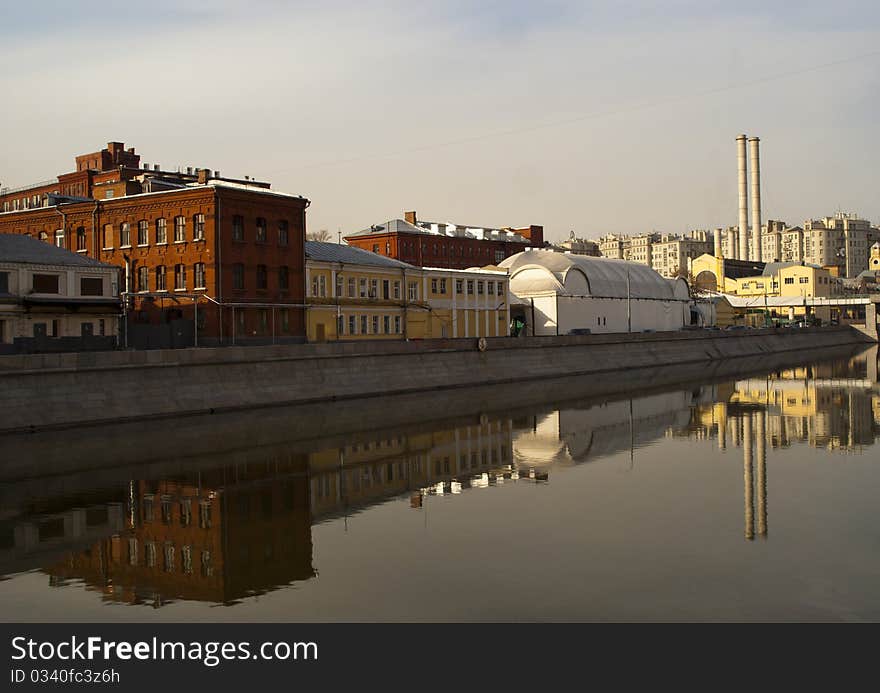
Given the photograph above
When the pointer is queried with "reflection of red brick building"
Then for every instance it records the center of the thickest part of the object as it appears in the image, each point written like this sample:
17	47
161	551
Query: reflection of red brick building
215	543
178	236
433	244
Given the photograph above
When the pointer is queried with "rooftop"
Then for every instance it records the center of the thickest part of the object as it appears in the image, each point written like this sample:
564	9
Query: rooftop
434	228
349	255
24	249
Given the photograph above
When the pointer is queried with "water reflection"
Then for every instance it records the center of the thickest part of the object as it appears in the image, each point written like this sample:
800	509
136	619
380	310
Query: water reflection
227	527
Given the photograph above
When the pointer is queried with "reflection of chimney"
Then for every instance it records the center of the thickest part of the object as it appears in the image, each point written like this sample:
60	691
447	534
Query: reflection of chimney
722	425
761	476
755	178
743	252
748	482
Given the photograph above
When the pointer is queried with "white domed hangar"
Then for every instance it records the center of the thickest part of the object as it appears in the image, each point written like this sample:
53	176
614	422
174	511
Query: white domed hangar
559	294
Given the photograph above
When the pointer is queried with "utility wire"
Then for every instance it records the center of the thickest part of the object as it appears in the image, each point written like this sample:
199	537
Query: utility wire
596	115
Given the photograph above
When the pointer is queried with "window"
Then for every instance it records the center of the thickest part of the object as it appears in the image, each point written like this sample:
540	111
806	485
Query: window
45	283
4	282
261	230
143	232
283	233
186	512
199	275
124	234
169	558
241	320
238	228
199	227
397	290
165	509
205	515
362	285
59	238
160	278
238	276
283	278
470	287
285	319
789	280
161	231
375	324
442	286
150	554
262	277
388	248
499	256
339	284
264	319
133	551
179	229
143	279
352	325
374	288
108	236
396	324
186	559
490	288
108	194
375	247
340	325
351	287
500	288
803	280
386	324
459	286
480	288
413	291
80	238
207	564
179	277
363	324
434	286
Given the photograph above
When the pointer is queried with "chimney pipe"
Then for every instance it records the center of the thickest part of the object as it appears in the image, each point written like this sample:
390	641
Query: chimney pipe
743	251
755	178
717	242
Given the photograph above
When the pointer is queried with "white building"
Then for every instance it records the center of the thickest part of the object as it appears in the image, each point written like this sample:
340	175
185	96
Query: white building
561	293
48	293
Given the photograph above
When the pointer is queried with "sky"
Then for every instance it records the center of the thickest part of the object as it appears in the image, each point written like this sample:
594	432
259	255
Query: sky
592	117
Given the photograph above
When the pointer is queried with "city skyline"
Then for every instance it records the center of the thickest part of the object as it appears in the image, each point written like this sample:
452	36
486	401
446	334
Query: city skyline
585	118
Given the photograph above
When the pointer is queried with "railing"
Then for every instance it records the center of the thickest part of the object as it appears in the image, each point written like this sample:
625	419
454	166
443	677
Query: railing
41	184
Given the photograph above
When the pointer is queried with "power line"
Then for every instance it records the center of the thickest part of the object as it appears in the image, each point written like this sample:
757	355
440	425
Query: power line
596	115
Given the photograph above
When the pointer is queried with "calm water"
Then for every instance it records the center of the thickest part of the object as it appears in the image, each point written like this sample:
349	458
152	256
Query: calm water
751	497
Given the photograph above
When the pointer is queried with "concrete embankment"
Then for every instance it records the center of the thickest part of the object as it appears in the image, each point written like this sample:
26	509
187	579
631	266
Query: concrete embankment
63	390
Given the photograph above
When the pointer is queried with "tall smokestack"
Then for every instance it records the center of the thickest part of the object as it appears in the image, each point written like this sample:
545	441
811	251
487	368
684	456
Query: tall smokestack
717	242
743	198
755	174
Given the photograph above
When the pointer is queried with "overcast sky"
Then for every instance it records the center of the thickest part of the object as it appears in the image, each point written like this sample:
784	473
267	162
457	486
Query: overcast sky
585	116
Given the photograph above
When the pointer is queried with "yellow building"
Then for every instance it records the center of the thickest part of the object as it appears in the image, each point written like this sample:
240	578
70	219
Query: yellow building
787	279
353	294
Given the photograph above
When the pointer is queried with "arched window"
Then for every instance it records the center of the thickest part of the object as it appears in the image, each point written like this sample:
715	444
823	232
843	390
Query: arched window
124	234
80	238
143	232
108	236
161	231
44	236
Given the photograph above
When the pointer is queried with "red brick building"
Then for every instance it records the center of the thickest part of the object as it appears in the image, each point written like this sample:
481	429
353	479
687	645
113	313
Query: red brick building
224	255
440	244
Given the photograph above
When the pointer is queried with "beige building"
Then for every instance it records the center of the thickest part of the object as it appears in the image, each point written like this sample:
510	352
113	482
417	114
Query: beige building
672	256
579	246
353	294
613	246
53	300
842	242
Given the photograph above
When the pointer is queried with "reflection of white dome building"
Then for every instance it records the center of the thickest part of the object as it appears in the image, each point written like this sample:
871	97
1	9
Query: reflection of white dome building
572	436
562	292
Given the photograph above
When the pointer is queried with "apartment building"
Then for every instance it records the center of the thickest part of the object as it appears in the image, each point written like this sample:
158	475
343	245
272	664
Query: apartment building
55	300
672	256
443	244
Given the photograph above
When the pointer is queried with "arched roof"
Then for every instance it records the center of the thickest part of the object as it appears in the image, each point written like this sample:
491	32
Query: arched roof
536	271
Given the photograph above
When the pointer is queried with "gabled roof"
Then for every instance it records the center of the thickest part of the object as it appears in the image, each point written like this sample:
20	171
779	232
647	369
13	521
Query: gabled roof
349	255
772	268
20	248
390	226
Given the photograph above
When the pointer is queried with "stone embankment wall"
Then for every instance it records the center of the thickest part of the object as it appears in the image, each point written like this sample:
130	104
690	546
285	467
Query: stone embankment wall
61	390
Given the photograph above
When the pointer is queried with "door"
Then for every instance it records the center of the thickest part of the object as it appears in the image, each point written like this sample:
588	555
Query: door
39	329
87	329
320	332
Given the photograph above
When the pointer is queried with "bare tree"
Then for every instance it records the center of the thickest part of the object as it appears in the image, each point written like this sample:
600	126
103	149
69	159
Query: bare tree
322	235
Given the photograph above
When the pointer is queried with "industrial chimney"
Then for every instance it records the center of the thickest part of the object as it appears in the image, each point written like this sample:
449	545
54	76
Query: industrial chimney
743	253
755	178
717	242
